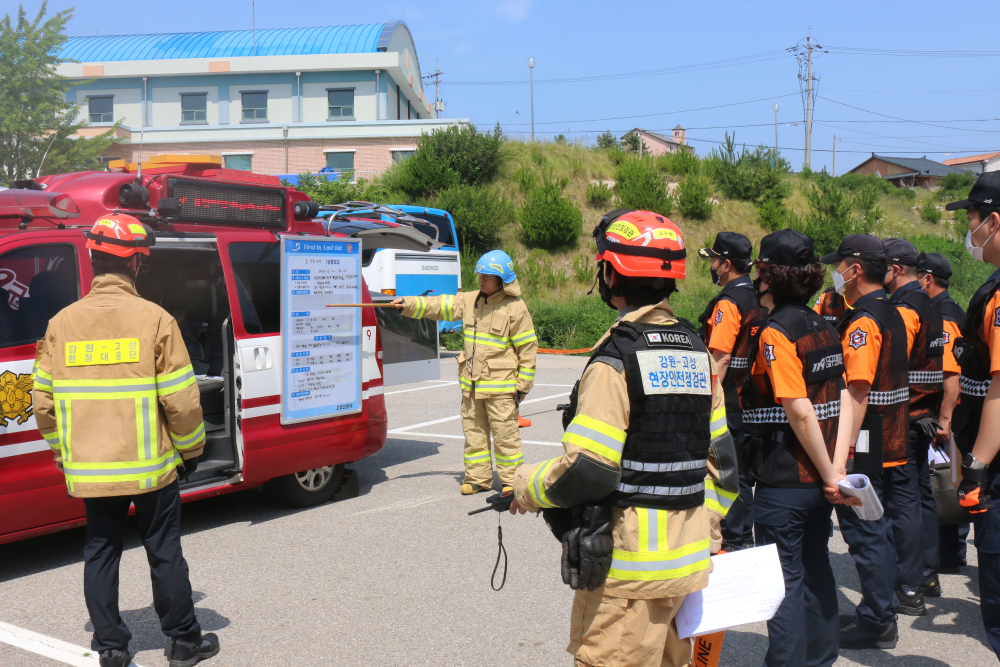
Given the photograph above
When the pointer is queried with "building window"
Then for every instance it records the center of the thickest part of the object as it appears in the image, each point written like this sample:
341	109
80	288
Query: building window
407	109
255	107
340	163
239	162
101	109
194	108
397	103
340	104
398	156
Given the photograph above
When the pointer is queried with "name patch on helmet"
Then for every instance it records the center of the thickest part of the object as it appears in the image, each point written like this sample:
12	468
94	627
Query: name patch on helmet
668	339
626	230
675	372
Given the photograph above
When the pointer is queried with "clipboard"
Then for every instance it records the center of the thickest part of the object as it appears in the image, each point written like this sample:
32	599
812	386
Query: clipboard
867	451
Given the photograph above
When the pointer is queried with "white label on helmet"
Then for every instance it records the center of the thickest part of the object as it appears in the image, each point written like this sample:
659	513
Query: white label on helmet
675	372
665	234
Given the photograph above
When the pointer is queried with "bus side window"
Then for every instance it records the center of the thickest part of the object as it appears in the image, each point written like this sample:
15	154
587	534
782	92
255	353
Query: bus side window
37	282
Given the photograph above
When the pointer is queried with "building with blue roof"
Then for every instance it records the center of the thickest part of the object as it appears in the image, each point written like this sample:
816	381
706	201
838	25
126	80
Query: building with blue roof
274	101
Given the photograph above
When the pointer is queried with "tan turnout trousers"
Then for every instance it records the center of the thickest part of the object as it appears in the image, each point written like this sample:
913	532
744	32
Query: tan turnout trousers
482	418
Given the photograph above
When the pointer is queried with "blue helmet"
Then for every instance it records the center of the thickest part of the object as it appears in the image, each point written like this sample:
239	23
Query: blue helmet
497	263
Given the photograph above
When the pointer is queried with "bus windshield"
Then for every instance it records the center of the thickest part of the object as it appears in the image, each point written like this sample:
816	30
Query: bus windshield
443	225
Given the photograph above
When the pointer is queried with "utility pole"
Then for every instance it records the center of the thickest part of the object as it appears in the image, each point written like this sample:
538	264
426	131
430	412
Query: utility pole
776	131
531	70
835	156
517	116
435	78
805	57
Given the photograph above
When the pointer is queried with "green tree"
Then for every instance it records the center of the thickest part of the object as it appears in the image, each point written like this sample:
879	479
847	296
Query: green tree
693	198
548	219
36	121
639	186
606	141
633	143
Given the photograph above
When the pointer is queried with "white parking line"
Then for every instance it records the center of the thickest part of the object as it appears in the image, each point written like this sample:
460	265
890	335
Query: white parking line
462	437
405	429
49	647
443	383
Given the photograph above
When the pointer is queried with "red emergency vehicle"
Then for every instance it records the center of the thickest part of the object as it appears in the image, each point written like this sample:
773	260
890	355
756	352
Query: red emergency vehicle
216	268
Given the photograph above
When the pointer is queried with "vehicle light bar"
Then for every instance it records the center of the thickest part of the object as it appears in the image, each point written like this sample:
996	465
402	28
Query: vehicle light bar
29	204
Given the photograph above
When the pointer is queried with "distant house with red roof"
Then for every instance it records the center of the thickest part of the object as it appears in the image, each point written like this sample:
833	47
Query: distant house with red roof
977	164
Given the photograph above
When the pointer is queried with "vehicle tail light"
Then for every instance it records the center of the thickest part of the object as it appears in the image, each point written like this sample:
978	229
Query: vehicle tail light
390	292
17	203
63	206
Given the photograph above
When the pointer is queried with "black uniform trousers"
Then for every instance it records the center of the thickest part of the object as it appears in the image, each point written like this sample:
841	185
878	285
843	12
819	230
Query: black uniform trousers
737	526
871	545
953	545
158	517
930	539
805	630
987	542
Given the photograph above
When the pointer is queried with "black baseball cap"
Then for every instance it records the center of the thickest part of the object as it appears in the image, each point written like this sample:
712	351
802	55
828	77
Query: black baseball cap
986	190
900	251
728	245
935	264
861	246
787	247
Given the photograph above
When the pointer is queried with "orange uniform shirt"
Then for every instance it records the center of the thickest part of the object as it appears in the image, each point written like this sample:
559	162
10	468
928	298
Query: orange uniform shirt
951	332
912	321
723	327
778	359
862	345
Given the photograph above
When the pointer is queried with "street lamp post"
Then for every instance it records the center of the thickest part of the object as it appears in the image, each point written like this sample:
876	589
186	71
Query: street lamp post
776	130
531	70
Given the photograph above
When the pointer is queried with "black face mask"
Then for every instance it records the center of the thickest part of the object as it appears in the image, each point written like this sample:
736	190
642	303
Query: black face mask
715	276
760	295
604	289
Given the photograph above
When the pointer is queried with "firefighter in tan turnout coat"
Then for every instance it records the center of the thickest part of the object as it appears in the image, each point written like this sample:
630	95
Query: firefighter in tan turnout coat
117	400
495	370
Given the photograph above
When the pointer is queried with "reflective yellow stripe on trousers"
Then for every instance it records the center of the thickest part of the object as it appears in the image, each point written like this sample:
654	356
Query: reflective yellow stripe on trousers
654	561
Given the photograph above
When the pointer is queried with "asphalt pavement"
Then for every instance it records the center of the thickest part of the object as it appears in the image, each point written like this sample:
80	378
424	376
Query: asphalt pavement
399	575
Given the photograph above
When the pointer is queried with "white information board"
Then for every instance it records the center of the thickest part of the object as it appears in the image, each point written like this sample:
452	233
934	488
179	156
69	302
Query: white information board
321	346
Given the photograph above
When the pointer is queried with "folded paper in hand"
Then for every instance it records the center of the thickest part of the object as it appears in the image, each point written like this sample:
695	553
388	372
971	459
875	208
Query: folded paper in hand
746	587
858	486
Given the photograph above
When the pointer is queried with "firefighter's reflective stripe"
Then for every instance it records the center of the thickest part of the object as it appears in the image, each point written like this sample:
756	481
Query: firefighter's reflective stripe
63	423
43	380
421	307
596	436
525	373
660	565
104	389
652	529
145	423
524	338
144	472
496	386
481	456
471	336
447	307
510	460
717	498
465	383
174	382
188	441
536	485
719	424
53	440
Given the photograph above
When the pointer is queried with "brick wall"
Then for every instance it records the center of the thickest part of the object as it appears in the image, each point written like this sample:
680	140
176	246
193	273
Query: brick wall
371	156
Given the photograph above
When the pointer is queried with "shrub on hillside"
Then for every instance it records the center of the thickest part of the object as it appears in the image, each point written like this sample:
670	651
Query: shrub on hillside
571	324
956	186
930	213
748	175
549	220
337	191
681	163
832	217
526	179
606	141
633	143
422	175
693	198
638	185
479	213
599	194
476	158
774	216
537	273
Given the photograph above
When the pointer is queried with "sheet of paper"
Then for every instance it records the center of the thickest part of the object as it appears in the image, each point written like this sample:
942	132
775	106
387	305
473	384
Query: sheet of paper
746	587
859	486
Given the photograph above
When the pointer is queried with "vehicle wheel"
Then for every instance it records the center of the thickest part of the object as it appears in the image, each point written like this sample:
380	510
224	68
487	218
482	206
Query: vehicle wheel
307	488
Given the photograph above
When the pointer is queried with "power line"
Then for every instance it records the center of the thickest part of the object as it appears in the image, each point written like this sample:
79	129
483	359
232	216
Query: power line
729	62
858	51
929	124
666	113
827	150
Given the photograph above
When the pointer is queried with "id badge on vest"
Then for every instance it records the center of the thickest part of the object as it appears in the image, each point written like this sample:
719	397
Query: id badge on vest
675	372
867	451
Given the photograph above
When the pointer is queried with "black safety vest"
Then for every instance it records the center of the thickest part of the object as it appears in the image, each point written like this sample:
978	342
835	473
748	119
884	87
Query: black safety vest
890	392
780	459
973	355
669	377
926	374
949	308
752	316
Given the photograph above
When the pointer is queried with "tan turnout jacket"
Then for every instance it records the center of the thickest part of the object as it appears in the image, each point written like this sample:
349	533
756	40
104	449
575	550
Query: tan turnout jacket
673	544
500	340
115	395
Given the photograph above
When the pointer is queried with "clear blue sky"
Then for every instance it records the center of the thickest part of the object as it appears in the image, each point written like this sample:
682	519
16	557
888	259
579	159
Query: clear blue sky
491	41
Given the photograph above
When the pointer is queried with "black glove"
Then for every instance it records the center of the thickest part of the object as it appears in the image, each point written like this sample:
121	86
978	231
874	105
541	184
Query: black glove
189	468
571	558
587	549
927	426
518	397
972	491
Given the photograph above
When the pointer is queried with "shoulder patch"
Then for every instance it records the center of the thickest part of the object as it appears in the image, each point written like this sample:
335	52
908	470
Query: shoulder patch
616	364
996	317
859	337
769	354
718	316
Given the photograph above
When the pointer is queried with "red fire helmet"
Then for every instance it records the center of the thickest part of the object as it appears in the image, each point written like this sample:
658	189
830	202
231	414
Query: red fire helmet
641	244
121	235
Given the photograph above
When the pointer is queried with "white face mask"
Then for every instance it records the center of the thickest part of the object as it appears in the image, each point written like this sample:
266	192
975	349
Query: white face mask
977	253
839	282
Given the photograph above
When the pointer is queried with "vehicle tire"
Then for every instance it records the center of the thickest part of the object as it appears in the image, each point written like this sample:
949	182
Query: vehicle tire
307	488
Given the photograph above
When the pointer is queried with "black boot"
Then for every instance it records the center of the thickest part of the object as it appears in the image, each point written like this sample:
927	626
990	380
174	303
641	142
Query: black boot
911	604
115	658
931	587
854	637
183	653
